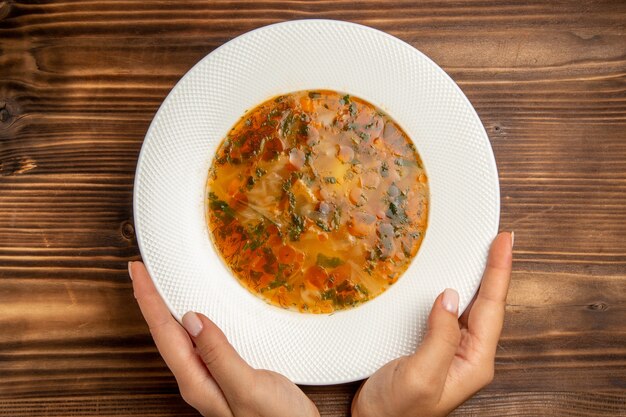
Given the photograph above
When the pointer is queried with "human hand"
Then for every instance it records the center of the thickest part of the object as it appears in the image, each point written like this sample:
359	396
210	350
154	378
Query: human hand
456	358
210	374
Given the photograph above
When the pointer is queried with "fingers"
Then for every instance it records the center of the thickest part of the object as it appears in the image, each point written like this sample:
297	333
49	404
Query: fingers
171	340
174	345
229	370
433	358
486	317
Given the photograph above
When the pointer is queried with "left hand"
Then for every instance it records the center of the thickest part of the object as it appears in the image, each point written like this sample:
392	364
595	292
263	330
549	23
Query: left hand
211	375
456	358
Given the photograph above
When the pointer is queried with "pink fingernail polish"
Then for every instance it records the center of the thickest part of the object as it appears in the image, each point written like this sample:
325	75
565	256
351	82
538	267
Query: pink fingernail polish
192	323
512	239
450	300
130	272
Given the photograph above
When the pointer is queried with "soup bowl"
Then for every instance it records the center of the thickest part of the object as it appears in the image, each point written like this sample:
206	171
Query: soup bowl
170	200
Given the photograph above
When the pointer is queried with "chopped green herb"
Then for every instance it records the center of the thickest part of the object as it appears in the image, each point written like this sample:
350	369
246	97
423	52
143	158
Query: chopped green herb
329	295
296	227
396	213
322	225
352	109
260	172
345	286
287	124
361	289
220	206
330	180
328	262
257	236
336	219
405	162
292	200
276	283
238	142
384	169
304	129
286	185
308	159
250	182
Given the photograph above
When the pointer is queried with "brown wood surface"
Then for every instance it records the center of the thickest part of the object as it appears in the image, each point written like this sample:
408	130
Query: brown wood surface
80	82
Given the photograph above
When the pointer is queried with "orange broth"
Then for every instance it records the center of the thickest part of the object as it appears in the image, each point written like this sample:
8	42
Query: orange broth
317	201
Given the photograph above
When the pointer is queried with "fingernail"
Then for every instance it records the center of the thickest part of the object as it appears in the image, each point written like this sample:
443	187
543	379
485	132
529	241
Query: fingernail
450	300
512	239
130	271
192	323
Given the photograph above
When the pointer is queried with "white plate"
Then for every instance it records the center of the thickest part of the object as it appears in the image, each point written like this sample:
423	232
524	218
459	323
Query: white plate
314	54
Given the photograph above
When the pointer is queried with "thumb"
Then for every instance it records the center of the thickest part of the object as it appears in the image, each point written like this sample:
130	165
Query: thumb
441	342
228	369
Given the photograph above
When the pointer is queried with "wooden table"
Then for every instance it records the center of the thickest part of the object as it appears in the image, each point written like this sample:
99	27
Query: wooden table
80	82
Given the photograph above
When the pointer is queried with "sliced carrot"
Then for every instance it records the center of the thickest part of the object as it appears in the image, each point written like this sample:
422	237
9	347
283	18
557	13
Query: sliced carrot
286	254
307	104
265	280
341	273
258	261
272	148
316	276
356	196
274	240
361	224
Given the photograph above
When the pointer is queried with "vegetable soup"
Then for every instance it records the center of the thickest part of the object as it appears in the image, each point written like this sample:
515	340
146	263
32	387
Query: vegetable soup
317	201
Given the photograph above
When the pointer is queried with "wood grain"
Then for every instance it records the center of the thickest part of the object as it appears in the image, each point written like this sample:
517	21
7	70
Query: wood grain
80	82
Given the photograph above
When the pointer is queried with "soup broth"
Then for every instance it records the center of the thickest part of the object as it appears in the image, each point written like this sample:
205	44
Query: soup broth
317	201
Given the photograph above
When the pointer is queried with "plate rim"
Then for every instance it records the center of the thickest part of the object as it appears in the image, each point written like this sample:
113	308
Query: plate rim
141	157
